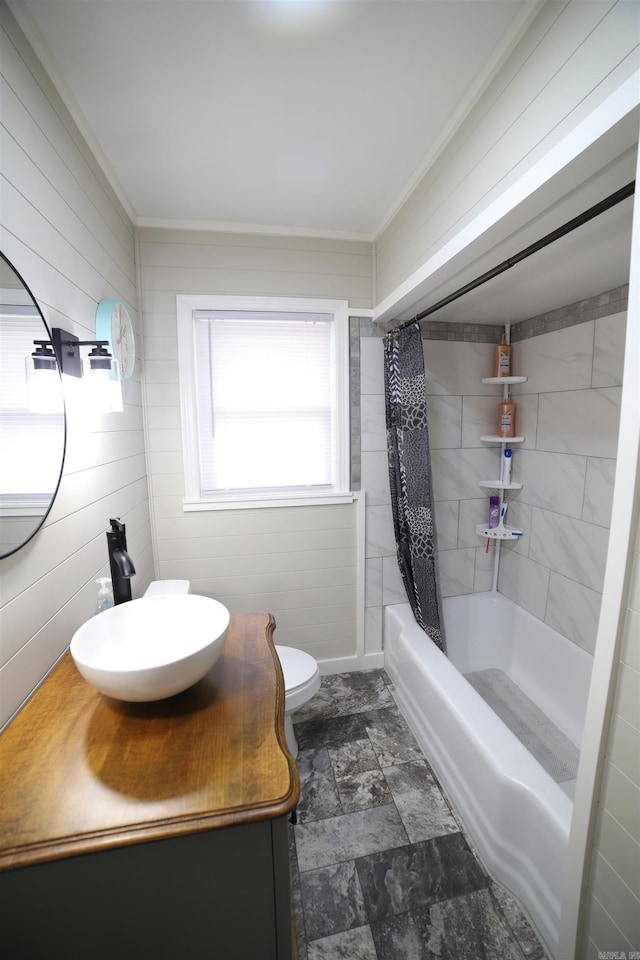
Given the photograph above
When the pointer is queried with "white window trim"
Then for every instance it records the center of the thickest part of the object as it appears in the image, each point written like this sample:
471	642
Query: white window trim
340	491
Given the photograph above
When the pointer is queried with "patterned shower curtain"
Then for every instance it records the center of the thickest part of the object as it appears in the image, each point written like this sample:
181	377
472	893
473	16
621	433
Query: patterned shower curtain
410	476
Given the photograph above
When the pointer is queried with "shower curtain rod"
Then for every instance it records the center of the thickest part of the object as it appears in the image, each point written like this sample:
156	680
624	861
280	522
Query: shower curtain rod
595	211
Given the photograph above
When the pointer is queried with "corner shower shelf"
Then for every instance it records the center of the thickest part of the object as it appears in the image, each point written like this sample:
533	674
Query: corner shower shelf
498	533
501	532
496	439
498	381
499	485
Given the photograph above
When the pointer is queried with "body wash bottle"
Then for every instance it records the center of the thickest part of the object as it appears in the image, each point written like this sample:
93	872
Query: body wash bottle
502	359
507	419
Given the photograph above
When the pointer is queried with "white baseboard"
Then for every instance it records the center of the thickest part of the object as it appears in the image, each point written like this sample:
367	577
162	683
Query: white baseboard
368	661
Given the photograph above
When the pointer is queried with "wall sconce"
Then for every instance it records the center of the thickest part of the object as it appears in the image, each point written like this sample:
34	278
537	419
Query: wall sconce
100	378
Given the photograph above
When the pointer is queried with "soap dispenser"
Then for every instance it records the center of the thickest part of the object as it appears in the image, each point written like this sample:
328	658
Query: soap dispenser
105	594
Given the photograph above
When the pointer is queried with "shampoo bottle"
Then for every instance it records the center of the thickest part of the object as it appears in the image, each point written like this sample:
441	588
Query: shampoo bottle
502	359
507	419
105	594
506	466
494	511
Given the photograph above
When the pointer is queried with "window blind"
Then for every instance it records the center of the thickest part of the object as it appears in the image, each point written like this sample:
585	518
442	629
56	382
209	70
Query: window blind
264	391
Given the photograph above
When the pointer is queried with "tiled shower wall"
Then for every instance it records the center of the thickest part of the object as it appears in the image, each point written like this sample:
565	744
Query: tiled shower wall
568	410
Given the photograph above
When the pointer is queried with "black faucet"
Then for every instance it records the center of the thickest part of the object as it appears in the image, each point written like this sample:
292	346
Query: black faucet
122	568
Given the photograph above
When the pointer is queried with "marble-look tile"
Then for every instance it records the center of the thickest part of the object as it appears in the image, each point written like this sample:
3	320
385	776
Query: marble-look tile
373	582
519	515
380	540
526	421
457	368
393	590
584	422
518	924
371	366
332	900
457	571
424	811
560	360
375	477
444	420
456	472
373	634
525	582
598	491
467	928
573	548
552	481
407	878
372	422
446	517
608	350
485	562
348	837
318	792
573	610
479	418
356	944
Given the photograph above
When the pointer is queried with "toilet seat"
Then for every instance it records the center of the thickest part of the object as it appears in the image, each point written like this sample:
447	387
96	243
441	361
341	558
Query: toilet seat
301	676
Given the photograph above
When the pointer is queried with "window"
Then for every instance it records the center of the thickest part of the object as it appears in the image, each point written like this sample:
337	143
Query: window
264	394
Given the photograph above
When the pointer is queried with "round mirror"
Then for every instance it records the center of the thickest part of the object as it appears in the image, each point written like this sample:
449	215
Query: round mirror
32	442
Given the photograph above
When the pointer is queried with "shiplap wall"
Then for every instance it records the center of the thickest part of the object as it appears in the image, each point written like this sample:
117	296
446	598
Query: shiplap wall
65	231
573	56
299	563
612	913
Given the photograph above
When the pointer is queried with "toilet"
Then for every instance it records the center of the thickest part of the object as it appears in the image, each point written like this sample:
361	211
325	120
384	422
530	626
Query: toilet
301	672
301	682
159	587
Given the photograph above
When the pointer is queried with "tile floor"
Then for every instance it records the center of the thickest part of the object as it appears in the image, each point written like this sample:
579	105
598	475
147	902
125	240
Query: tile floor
381	869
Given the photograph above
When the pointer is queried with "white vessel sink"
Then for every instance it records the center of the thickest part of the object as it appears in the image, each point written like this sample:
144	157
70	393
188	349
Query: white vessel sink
151	648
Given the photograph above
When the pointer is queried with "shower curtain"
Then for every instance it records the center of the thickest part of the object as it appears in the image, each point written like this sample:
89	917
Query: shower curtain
410	477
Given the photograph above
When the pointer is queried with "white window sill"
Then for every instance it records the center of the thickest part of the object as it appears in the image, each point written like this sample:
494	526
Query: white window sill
257	502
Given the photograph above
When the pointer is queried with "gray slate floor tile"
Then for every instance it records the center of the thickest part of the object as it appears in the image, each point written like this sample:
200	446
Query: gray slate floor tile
363	790
332	900
381	870
407	878
351	945
424	810
318	792
350	836
466	928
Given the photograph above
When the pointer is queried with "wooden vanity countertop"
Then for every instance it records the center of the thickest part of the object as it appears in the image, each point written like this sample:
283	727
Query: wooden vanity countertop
81	772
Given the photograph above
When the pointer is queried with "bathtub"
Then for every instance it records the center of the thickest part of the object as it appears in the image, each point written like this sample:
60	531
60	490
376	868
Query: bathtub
515	813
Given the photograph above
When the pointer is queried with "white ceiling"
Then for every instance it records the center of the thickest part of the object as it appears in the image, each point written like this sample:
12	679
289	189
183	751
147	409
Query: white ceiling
309	115
317	117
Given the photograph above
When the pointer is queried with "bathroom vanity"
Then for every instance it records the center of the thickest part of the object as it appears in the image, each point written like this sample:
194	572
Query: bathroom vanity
151	829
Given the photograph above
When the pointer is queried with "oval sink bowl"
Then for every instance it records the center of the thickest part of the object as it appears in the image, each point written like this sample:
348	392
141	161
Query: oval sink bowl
151	648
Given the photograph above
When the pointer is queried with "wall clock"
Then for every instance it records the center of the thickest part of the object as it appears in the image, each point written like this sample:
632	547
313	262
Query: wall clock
113	323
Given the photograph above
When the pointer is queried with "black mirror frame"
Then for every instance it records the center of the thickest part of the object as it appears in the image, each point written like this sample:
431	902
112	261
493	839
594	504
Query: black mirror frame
10	553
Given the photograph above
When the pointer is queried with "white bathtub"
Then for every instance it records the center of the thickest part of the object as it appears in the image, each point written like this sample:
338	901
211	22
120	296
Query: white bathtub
517	816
